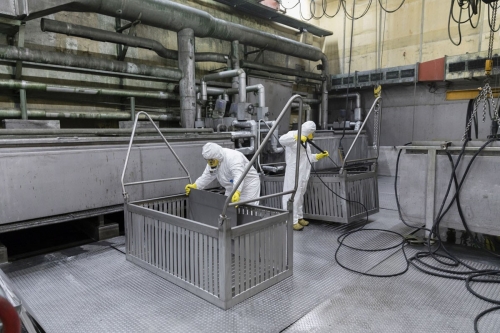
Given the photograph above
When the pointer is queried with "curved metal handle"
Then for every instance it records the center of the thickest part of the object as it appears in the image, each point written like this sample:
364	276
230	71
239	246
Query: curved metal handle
376	102
249	165
125	195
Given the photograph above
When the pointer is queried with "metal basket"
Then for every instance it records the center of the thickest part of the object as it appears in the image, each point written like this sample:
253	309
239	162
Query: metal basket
220	251
322	204
222	269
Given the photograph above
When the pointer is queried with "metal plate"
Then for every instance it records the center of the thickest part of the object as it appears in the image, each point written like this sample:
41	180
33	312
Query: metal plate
206	207
88	177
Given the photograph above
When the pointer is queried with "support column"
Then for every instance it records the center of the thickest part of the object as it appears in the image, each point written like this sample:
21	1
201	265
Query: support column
430	200
324	106
187	88
235	64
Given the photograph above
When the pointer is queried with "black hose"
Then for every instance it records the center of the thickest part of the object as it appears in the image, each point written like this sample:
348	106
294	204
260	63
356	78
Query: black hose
343	236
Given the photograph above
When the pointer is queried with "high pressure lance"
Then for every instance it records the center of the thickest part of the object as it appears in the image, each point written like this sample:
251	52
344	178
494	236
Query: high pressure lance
315	145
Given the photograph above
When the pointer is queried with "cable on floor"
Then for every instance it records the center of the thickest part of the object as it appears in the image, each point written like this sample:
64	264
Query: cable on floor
342	238
448	260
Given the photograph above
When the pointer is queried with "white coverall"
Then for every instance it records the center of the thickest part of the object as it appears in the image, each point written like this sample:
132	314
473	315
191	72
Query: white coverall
290	143
232	163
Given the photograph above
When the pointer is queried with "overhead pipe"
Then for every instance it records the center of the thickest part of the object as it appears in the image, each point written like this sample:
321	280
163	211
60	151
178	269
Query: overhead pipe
281	70
101	131
176	17
56	58
118	38
7	113
29	85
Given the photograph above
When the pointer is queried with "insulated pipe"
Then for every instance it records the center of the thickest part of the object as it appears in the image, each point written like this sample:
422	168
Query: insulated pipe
118	38
356	95
187	87
311	101
174	16
261	91
101	131
281	70
222	75
61	59
6	113
198	108
324	105
29	85
235	63
258	87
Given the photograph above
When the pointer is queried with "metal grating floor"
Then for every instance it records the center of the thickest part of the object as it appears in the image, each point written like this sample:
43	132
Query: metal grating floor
93	288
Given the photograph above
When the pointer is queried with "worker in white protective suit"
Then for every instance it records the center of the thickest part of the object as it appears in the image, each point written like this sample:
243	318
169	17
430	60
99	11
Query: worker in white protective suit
227	165
289	141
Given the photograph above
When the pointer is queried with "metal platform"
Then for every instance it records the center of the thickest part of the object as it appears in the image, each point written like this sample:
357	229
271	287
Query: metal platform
93	288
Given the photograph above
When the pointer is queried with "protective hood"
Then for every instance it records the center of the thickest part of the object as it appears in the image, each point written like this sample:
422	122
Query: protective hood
212	151
308	127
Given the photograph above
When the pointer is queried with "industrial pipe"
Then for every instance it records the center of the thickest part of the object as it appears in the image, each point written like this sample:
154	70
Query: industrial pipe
252	135
222	75
281	70
258	87
6	113
61	59
174	16
118	38
101	131
356	95
29	85
235	63
187	87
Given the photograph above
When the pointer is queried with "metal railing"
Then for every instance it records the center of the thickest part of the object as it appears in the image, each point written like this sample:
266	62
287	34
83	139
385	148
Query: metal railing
125	194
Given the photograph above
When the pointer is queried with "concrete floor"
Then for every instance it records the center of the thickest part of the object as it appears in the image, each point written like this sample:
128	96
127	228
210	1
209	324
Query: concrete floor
92	288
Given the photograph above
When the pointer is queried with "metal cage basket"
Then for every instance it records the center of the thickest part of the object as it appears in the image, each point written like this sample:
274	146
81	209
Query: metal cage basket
321	204
222	252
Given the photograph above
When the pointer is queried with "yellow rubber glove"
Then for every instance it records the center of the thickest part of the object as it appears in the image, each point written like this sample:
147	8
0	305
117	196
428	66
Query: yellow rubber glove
236	196
189	187
322	155
303	138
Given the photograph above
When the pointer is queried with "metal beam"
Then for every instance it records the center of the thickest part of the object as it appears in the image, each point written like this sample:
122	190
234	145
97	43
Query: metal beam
458	95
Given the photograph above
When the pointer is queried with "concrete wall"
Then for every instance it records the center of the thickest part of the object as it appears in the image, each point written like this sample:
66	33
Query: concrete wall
417	32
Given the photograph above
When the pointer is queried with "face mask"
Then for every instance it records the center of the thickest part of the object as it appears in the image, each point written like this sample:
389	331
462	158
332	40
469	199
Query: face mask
213	164
310	136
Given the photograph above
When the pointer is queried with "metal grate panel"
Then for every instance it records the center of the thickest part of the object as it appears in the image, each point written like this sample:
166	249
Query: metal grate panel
392	75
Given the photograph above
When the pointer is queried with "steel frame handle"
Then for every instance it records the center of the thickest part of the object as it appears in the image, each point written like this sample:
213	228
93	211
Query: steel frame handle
125	194
252	161
359	132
